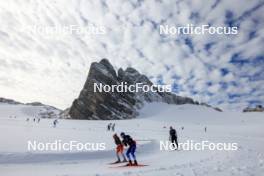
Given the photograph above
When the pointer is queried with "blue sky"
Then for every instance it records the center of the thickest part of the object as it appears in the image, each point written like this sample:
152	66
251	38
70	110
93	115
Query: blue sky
223	70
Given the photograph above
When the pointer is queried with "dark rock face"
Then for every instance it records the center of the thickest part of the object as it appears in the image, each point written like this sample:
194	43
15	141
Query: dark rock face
116	105
209	106
9	101
258	108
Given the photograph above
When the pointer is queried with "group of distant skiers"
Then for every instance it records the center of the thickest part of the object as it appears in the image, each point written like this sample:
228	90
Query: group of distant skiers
34	120
111	126
54	123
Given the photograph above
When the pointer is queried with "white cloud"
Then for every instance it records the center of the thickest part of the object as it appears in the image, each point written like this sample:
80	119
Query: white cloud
53	69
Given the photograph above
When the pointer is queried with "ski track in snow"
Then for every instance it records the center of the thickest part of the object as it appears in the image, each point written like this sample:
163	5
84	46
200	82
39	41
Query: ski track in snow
247	131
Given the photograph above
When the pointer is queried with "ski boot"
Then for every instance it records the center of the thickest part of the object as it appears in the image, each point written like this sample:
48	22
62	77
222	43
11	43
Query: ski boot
129	163
118	161
135	163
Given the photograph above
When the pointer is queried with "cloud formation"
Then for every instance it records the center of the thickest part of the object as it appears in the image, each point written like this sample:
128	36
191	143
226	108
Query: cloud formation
222	70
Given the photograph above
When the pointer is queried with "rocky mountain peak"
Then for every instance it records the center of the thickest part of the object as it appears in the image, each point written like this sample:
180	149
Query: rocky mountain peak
108	67
116	105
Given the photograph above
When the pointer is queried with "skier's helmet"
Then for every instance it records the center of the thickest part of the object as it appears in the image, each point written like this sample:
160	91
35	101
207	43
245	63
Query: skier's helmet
122	134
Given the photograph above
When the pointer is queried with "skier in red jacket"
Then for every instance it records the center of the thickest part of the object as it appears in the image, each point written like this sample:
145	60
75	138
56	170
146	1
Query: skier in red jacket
119	149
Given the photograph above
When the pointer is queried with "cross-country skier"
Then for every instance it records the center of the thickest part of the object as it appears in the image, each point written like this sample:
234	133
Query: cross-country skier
109	126
113	127
128	141
55	123
173	137
119	149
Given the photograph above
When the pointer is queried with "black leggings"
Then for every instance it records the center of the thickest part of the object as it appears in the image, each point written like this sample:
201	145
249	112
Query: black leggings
174	140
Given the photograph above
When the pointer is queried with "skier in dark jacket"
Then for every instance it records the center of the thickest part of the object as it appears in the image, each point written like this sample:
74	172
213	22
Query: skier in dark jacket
55	123
113	127
173	136
119	149
109	126
128	141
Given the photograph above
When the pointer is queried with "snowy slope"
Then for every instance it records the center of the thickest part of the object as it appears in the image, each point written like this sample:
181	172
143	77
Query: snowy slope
148	130
196	114
26	111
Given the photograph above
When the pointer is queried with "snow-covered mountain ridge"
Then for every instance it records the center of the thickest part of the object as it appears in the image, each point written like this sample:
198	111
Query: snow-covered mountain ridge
11	108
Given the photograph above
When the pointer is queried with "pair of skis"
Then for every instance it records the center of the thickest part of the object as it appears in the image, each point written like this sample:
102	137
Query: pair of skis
126	165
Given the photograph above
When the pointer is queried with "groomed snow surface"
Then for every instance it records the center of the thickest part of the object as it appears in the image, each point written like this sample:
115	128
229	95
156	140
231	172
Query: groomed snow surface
246	129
